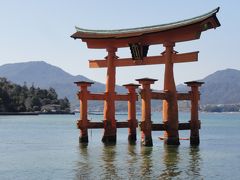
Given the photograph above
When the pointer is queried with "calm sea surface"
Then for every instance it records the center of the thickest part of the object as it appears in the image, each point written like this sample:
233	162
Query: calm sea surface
46	147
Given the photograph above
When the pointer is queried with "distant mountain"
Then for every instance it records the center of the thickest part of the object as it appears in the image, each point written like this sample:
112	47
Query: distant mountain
44	75
221	87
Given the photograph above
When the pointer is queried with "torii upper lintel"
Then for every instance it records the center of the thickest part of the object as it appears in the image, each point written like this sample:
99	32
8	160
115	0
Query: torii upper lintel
184	30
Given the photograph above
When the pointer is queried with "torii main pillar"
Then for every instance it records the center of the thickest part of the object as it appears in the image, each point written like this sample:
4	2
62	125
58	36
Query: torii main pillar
170	106
110	128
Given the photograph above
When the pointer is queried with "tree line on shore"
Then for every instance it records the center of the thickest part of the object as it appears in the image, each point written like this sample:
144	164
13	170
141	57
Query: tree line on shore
16	98
221	108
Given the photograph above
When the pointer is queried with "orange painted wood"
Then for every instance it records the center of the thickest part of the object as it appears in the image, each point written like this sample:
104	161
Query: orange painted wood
185	30
122	97
100	97
146	123
95	125
96	96
185	57
195	123
122	124
100	125
125	124
83	95
159	95
163	127
175	35
164	96
132	121
151	60
109	103
170	106
97	63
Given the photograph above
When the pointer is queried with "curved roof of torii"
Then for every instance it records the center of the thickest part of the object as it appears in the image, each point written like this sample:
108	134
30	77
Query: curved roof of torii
189	28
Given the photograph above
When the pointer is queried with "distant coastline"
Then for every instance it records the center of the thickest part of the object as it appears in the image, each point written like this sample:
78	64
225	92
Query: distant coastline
32	113
18	113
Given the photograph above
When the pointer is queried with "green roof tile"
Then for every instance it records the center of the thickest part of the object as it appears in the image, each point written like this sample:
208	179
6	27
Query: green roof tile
144	30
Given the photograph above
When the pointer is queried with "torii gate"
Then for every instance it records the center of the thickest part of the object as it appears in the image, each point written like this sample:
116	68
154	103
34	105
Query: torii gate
139	40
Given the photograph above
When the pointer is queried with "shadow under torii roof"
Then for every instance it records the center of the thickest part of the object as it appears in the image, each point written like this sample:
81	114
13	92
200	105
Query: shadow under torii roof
184	30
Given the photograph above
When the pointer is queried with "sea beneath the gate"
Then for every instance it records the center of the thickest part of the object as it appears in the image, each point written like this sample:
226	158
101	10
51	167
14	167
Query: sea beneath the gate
47	147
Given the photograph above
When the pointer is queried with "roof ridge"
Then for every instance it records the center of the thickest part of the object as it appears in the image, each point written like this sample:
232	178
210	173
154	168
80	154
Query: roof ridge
153	27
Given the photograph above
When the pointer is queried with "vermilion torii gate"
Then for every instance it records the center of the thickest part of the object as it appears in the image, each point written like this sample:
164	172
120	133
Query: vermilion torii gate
139	40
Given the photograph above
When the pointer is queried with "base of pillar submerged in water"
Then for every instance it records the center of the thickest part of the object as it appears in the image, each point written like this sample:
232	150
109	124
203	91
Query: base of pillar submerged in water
147	141
172	141
109	139
132	138
83	139
194	140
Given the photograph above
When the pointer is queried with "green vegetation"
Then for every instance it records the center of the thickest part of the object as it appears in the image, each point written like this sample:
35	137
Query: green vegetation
222	108
16	98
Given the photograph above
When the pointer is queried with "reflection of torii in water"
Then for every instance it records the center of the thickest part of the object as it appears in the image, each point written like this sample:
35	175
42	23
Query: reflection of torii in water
139	40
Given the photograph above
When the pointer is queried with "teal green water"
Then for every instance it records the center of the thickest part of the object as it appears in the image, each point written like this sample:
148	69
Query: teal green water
46	147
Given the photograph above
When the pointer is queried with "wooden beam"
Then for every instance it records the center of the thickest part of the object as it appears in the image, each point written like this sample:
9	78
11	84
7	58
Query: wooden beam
163	127
101	97
95	125
100	125
96	97
122	97
118	97
184	126
185	57
151	60
163	96
97	63
154	95
122	124
183	96
159	95
159	127
125	124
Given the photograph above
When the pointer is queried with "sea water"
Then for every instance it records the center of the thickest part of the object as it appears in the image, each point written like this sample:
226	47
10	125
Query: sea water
46	147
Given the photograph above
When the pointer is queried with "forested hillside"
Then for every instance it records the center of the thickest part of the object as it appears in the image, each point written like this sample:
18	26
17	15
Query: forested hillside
45	75
16	98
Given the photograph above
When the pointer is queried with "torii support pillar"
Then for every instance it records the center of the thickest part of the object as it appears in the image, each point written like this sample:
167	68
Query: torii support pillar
110	128
146	123
83	122
170	106
132	120
194	122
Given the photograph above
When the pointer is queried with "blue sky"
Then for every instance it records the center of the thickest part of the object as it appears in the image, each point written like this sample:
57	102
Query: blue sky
40	31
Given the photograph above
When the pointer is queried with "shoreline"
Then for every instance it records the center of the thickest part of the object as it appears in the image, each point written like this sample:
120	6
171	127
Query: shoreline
18	113
33	113
90	113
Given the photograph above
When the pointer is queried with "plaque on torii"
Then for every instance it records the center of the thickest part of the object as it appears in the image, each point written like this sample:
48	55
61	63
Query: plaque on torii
139	41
